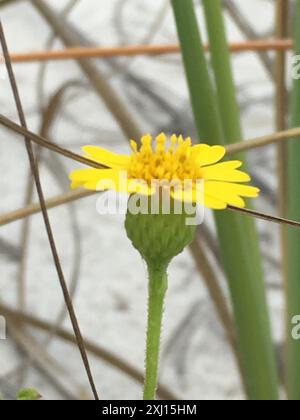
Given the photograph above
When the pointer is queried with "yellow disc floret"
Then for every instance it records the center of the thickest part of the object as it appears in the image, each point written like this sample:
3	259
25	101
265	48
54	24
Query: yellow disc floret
173	161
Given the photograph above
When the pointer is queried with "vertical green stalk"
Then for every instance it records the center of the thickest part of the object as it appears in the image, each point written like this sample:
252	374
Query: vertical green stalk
220	59
218	123
293	292
158	284
204	105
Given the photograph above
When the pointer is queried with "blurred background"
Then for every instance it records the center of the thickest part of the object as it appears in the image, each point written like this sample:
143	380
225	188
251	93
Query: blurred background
105	275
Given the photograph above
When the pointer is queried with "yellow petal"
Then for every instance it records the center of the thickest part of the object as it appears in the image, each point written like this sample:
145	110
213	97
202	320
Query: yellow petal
225	171
213	203
107	158
230	193
81	177
109	179
191	196
228	165
208	155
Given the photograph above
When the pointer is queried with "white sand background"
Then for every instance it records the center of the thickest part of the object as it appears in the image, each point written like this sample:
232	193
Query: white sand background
112	291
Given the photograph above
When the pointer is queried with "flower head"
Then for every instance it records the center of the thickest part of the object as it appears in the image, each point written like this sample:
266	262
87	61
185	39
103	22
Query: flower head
175	161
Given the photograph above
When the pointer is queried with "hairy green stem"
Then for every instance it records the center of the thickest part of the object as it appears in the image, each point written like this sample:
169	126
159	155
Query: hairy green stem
158	284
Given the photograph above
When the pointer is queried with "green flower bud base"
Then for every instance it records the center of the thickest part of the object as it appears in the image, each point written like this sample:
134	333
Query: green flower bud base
159	237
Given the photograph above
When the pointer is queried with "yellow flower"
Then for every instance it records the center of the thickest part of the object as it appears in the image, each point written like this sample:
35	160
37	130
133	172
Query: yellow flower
175	161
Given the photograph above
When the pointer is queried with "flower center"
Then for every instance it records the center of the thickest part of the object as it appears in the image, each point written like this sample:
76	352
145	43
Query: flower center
172	161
